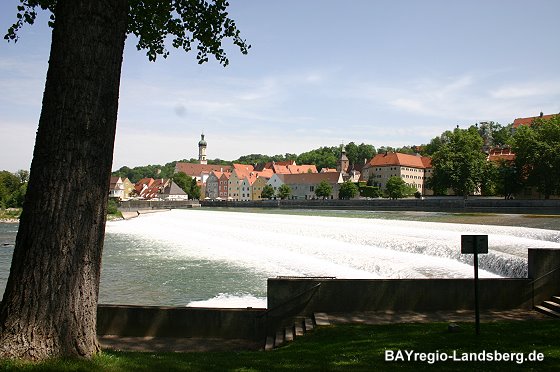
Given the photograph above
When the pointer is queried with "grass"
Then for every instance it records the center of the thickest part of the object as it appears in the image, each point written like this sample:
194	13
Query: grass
344	348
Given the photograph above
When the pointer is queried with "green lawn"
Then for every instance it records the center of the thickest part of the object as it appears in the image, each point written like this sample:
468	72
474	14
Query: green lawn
348	348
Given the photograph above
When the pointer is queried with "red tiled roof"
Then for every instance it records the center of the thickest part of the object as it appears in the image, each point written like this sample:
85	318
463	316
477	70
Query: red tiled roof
304	168
266	173
529	121
285	163
280	169
195	169
396	158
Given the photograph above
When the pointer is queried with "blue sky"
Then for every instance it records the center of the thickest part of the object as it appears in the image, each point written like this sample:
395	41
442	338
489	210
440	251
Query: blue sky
320	72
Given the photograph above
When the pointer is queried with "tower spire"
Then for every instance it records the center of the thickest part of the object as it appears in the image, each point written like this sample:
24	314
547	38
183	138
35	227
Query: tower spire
202	150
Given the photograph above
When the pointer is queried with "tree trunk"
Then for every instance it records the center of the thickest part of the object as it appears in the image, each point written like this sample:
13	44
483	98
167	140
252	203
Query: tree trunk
50	303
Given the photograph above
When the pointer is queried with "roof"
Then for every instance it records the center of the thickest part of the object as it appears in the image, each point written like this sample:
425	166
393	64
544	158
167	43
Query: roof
114	181
280	169
304	168
328	170
396	158
497	154
265	173
529	121
173	189
310	178
196	169
284	163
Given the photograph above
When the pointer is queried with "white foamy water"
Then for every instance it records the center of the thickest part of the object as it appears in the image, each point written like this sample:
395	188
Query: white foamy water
215	258
222	259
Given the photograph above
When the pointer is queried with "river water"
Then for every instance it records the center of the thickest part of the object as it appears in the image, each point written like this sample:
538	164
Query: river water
223	258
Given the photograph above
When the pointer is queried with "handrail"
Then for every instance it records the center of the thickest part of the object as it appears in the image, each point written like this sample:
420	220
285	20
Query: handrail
548	273
539	278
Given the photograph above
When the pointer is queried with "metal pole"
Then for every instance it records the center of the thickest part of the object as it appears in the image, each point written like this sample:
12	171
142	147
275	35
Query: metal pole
476	305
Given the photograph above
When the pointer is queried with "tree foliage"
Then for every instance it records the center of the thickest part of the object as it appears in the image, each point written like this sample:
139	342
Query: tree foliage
13	187
459	163
284	191
184	181
537	150
348	190
358	154
186	23
396	188
323	157
267	192
323	189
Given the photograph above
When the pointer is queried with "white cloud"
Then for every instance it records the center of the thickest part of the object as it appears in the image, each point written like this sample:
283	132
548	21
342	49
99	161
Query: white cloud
18	140
527	90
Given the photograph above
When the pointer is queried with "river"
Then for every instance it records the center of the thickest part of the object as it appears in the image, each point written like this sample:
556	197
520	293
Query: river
222	258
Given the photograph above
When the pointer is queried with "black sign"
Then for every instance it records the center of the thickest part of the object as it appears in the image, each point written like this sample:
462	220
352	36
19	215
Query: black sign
471	244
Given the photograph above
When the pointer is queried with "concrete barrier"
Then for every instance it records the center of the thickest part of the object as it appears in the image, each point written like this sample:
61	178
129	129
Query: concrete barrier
452	204
348	295
167	321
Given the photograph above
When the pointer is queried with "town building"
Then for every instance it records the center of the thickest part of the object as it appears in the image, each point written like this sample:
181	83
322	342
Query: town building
413	169
303	185
173	192
223	186
116	188
530	120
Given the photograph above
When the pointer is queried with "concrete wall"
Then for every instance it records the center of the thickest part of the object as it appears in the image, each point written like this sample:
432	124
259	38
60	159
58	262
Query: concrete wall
544	270
347	295
162	321
472	205
156	204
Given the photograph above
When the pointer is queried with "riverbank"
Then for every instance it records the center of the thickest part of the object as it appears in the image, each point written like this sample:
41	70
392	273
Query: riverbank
430	204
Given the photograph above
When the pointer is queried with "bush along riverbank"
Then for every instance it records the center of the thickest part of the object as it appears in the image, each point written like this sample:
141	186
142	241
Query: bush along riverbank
10	215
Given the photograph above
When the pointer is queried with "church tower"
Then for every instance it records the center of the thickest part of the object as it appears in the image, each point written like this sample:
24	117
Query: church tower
343	163
202	150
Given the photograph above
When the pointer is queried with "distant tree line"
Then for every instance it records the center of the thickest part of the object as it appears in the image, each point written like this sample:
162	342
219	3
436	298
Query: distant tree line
13	187
460	164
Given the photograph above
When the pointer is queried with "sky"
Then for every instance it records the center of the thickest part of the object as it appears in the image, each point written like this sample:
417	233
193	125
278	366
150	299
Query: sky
319	73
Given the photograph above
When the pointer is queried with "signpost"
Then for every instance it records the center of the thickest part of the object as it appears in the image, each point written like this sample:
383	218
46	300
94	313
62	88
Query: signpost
475	244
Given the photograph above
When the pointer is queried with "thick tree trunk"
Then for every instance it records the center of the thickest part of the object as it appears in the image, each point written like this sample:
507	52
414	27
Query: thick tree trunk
49	306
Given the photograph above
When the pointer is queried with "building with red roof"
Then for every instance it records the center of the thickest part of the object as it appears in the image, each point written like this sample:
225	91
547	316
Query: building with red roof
413	169
530	120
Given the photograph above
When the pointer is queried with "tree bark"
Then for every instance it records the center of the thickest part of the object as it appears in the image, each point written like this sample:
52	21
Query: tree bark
50	302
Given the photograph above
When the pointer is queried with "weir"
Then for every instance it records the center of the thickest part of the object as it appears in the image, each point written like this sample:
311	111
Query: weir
220	259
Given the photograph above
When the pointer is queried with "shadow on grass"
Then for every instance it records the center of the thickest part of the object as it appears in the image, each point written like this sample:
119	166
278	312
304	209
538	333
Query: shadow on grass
347	347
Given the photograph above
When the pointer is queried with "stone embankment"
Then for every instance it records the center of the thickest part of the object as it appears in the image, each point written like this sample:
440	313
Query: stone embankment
436	204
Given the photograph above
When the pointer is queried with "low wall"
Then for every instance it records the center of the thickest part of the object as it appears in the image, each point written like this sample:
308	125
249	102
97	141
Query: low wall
130	205
471	205
544	269
347	295
166	321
